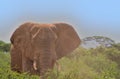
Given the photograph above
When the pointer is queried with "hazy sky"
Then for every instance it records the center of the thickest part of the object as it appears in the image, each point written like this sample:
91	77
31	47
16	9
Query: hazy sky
88	17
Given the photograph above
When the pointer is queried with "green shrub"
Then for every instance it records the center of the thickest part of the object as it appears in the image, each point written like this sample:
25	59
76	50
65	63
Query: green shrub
99	63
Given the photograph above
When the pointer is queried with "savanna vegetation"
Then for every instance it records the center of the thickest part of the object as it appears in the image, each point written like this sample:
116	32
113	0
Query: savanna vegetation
97	63
4	47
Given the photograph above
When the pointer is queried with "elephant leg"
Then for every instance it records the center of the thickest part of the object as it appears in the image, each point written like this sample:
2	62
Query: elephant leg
58	66
15	65
24	65
16	60
28	67
53	63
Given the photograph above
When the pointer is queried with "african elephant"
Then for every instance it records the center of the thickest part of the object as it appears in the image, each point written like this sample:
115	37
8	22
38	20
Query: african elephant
36	47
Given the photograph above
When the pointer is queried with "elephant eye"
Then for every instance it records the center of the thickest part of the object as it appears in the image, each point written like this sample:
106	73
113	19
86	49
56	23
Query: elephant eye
18	40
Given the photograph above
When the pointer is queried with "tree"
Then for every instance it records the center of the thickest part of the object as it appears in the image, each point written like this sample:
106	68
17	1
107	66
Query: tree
4	47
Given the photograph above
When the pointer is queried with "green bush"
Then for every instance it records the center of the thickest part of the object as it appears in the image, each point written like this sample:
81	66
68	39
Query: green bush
6	73
4	47
99	63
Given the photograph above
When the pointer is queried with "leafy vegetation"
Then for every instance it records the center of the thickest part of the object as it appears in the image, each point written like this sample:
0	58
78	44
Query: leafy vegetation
98	63
96	41
4	47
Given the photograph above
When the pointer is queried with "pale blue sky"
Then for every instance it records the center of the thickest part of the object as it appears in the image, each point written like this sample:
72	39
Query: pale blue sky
88	17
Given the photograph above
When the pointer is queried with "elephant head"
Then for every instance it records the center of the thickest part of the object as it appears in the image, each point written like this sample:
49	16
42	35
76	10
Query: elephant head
36	47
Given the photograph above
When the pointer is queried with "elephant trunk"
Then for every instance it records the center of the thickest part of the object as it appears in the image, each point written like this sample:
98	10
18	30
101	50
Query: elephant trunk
44	54
43	60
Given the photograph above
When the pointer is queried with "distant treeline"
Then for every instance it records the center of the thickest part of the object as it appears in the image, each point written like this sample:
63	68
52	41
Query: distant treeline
4	47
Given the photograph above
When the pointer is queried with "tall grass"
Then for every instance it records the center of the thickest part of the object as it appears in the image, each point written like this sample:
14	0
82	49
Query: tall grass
81	64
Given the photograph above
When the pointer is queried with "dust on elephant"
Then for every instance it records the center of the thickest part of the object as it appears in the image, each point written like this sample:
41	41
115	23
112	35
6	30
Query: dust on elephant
36	47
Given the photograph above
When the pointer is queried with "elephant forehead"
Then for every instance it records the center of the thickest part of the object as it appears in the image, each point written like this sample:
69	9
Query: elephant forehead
43	25
47	25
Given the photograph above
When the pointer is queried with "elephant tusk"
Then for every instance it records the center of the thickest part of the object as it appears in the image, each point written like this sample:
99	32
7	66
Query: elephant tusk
35	65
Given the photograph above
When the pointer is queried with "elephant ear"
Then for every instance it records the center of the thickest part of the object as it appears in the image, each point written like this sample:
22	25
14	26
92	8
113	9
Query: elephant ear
67	41
18	45
16	55
20	31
